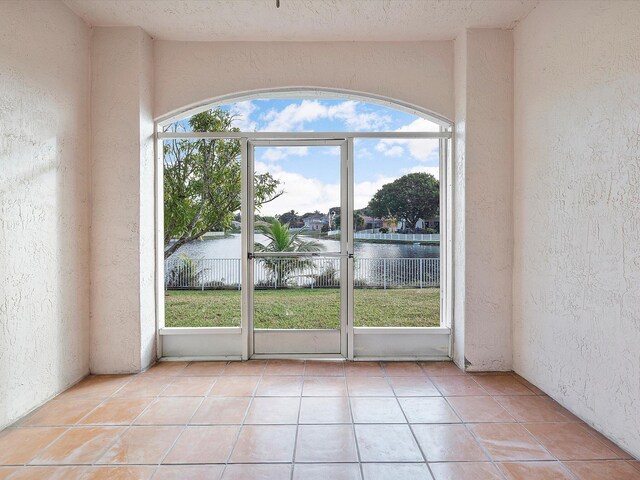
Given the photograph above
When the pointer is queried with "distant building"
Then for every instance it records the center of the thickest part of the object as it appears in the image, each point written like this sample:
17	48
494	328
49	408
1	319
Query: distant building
315	222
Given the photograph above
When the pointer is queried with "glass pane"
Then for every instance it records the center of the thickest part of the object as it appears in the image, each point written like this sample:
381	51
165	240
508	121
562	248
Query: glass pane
397	249
297	292
202	228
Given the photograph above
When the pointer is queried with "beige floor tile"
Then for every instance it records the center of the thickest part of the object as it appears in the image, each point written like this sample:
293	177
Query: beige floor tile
404	471
77	446
279	385
326	443
465	471
369	387
144	387
376	410
97	386
502	385
264	444
63	412
428	410
6	471
413	387
284	367
363	369
189	387
603	469
19	445
324	387
458	385
535	471
169	411
479	409
50	473
117	411
203	444
204	369
402	369
507	442
324	410
251	367
242	386
345	471
257	472
387	443
166	369
570	441
324	368
448	443
221	410
440	369
119	473
529	409
141	446
273	410
189	472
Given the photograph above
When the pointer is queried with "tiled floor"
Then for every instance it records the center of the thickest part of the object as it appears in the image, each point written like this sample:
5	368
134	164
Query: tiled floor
307	420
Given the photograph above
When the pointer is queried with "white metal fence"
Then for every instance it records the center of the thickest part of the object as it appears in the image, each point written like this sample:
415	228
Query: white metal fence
314	272
396	237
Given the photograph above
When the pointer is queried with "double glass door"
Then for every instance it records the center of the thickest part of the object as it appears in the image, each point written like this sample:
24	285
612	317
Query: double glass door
298	245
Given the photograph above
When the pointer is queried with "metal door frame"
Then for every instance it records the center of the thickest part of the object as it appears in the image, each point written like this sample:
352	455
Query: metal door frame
248	254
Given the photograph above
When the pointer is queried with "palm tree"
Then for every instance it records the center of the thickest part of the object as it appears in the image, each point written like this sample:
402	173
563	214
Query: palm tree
281	239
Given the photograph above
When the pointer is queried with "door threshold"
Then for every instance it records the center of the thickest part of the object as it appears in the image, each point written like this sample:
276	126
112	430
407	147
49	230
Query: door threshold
297	356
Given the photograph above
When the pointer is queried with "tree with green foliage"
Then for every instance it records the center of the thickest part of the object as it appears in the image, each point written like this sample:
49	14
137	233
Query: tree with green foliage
281	239
409	198
292	218
202	181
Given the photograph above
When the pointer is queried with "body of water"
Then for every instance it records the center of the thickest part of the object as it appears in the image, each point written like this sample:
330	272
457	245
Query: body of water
230	247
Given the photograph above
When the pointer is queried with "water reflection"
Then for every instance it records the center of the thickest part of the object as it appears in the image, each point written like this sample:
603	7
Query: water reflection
230	247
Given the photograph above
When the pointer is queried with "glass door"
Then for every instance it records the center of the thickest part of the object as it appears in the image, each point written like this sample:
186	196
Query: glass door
297	253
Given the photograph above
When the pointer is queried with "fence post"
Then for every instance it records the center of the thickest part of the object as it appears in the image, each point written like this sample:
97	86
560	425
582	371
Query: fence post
421	262
384	274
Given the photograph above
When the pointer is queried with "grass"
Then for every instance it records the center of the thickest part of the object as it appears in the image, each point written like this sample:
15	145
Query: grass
304	308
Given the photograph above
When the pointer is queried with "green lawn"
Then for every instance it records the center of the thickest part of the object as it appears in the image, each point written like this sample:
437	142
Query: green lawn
304	308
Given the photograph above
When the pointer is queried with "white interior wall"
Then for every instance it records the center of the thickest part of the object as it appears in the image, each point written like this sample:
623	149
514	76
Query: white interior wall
577	210
44	203
483	215
123	227
190	73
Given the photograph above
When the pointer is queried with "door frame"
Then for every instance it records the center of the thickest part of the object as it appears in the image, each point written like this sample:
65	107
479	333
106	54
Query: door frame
248	256
363	343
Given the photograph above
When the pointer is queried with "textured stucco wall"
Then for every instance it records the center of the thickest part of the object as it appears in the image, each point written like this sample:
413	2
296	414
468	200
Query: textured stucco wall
44	203
483	216
460	83
189	73
577	210
122	222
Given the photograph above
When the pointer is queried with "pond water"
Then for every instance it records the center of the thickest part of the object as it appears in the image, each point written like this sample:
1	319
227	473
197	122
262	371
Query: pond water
229	247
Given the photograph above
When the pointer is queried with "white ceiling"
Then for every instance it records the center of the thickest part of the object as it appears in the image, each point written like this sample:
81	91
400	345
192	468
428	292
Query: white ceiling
303	20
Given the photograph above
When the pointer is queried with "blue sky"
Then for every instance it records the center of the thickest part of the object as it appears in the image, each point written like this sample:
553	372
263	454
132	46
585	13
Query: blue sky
310	175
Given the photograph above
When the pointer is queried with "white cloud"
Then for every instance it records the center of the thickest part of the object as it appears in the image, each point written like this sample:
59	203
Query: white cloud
301	193
295	115
394	151
242	112
435	171
309	194
278	153
423	150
